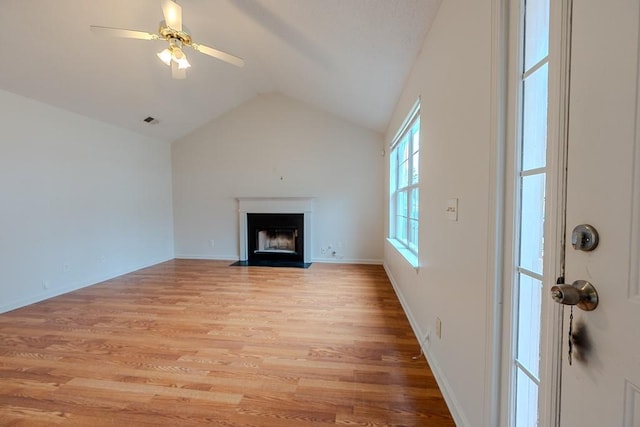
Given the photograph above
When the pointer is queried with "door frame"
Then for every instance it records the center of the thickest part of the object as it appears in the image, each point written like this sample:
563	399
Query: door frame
557	149
506	42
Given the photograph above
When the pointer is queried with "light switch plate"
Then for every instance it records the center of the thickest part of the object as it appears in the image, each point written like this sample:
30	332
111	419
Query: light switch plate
452	209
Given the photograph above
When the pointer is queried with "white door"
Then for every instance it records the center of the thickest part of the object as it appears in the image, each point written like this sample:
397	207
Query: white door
602	386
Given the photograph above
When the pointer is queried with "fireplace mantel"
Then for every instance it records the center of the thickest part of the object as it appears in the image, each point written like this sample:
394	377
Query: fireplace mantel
303	205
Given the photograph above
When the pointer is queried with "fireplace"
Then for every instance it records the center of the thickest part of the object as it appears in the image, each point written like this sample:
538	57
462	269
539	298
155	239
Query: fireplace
275	230
275	237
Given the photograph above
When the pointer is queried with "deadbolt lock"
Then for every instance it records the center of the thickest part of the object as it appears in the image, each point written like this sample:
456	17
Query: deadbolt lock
584	238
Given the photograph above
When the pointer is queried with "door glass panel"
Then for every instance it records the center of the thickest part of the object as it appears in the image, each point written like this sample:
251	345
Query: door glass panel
536	40
532	223
530	178
526	401
529	304
534	124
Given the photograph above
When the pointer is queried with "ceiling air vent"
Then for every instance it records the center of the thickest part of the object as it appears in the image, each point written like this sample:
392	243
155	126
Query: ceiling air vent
151	120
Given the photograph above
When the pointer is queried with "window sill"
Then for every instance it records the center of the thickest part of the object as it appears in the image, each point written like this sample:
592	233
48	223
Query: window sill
411	258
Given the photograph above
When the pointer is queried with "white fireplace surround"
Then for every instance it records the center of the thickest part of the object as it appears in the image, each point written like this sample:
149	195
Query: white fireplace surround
288	205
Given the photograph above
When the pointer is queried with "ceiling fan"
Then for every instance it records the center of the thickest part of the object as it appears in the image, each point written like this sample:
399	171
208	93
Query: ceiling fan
171	31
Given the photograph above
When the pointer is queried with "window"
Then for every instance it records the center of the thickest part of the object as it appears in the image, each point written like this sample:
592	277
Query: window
530	181
403	179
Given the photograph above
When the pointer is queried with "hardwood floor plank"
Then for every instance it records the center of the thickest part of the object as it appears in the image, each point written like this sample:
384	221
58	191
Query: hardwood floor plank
25	416
113	387
194	343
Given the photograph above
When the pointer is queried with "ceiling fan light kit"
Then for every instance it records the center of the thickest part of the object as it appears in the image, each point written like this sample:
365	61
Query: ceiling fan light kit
174	53
171	31
165	56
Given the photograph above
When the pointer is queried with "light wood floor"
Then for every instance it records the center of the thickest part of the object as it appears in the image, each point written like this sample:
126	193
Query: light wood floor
202	343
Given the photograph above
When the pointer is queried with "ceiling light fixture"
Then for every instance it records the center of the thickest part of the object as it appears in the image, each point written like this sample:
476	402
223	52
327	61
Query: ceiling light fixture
180	58
165	56
174	53
171	30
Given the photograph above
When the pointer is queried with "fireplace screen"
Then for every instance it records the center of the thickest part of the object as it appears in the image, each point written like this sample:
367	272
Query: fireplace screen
276	241
275	237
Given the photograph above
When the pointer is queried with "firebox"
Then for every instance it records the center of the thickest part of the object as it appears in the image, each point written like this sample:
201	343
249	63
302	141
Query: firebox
275	237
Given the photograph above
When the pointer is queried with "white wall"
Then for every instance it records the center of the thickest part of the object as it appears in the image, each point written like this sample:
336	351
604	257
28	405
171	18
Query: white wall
80	201
453	76
273	146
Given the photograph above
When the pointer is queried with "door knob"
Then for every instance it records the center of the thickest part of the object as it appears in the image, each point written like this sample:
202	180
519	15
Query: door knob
580	293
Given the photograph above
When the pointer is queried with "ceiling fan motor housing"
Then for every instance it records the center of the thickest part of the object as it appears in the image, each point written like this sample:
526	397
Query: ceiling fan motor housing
170	35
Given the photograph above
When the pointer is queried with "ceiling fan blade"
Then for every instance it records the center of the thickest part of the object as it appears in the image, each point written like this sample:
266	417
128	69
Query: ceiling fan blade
120	32
223	56
172	12
176	72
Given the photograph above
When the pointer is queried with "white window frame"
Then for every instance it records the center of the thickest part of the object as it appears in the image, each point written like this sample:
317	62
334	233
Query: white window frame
551	324
407	247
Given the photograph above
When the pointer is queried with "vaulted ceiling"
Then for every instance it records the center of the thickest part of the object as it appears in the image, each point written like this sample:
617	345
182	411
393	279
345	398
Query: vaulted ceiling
348	57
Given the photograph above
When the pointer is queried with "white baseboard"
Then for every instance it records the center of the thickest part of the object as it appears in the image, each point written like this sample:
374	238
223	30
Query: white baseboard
449	396
347	261
231	258
41	296
318	260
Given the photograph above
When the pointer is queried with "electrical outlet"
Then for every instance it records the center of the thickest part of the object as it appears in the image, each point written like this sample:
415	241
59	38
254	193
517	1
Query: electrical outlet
45	284
438	327
323	250
66	268
212	243
330	250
